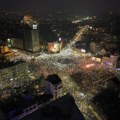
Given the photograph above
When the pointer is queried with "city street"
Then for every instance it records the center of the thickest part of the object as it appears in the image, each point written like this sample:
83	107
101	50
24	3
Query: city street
82	77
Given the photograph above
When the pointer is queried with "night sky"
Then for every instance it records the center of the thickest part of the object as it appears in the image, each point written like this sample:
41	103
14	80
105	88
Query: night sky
68	6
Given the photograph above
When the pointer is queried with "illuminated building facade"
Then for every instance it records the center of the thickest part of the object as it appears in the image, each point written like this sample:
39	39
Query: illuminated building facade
31	34
4	51
15	43
10	71
54	47
31	42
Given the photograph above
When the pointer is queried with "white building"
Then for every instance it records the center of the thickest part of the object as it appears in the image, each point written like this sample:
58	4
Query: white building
53	85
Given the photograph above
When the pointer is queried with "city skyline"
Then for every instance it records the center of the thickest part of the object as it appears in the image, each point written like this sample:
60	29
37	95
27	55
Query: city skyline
59	60
68	6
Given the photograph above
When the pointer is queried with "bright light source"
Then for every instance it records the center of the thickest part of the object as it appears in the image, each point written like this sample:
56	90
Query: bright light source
34	26
8	40
83	50
90	65
9	45
118	69
42	93
91	27
82	94
36	86
60	39
11	79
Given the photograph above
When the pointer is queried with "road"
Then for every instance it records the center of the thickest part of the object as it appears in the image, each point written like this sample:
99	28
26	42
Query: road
77	37
71	67
96	114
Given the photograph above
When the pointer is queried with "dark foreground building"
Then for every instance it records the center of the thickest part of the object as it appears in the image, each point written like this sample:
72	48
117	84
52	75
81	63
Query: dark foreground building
62	109
107	102
118	68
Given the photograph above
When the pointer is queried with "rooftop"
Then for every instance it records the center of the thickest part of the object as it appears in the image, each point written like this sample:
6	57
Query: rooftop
108	102
5	63
62	109
16	104
54	79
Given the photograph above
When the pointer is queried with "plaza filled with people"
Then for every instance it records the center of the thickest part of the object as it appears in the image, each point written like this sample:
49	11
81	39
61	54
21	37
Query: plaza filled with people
81	76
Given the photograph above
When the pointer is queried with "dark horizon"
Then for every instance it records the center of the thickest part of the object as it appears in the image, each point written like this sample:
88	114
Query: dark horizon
68	6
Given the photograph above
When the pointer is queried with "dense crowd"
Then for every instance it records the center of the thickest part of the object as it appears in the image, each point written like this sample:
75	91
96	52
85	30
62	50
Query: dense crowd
69	63
81	75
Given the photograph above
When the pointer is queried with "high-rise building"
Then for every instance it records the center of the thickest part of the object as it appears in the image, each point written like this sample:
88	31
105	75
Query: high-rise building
31	34
12	71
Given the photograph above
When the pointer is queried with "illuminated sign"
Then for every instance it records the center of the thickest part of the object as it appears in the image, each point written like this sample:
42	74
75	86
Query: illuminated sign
34	26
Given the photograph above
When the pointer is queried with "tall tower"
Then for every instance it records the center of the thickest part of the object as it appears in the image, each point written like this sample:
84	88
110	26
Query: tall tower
31	35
